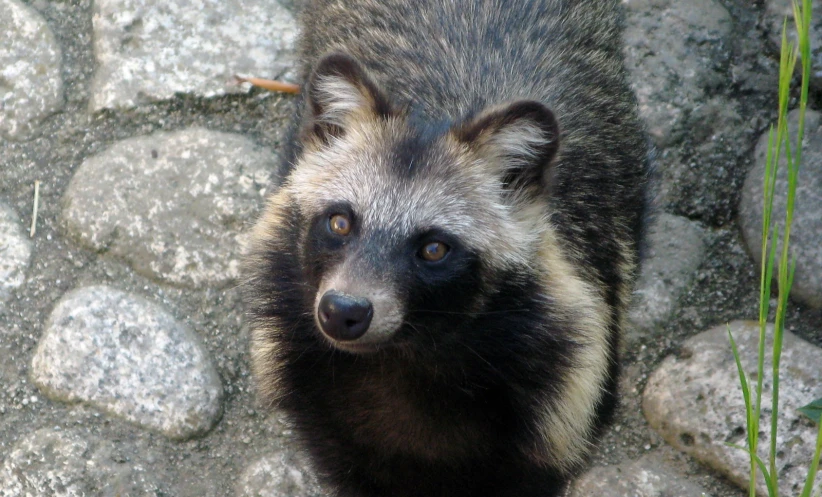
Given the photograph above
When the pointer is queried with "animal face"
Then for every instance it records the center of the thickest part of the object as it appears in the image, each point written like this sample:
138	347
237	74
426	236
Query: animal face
405	220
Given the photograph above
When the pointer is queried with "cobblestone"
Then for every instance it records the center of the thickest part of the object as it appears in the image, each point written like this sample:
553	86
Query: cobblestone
173	205
676	249
806	233
677	54
277	475
130	358
52	462
646	477
153	49
31	86
661	55
695	402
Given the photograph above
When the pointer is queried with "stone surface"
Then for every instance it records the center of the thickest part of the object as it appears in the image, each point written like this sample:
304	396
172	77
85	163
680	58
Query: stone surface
31	86
679	60
775	13
646	477
695	402
277	475
52	462
152	49
676	249
15	253
173	205
670	70
130	358
806	231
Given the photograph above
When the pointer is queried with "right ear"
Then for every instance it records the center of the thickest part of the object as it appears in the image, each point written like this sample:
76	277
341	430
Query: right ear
521	139
338	90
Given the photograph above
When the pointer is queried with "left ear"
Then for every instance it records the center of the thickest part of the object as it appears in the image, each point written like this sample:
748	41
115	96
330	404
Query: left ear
338	90
521	140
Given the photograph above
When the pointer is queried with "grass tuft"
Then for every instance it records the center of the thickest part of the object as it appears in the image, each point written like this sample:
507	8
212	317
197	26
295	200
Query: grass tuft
780	145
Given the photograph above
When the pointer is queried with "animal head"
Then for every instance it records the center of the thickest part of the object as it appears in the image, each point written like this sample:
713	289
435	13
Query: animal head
402	222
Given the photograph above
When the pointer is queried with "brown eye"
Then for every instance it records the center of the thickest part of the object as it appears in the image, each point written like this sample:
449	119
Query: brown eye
340	224
434	251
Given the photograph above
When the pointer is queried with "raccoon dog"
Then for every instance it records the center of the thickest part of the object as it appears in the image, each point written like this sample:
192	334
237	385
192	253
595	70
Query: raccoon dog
437	289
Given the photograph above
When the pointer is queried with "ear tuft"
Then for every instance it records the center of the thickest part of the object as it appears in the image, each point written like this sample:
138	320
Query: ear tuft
338	89
521	140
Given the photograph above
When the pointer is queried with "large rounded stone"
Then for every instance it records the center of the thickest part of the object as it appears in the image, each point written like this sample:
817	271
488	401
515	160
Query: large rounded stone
130	358
31	86
806	232
695	402
678	56
173	205
152	49
277	475
665	43
15	253
646	477
676	249
51	462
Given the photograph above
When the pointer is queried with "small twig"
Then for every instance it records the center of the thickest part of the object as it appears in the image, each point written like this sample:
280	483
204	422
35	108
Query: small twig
34	214
270	84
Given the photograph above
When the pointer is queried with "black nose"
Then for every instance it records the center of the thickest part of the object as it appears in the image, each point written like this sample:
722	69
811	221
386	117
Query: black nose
344	317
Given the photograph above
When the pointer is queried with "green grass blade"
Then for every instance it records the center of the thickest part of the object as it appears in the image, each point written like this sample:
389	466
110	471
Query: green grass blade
743	380
806	490
791	272
802	18
785	266
752	428
767	207
787	65
785	276
770	483
768	253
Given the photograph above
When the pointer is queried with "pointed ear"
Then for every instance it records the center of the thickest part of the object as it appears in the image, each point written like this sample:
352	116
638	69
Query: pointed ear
339	89
520	140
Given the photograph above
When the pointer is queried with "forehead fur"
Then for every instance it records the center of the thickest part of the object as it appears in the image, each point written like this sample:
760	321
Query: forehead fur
403	180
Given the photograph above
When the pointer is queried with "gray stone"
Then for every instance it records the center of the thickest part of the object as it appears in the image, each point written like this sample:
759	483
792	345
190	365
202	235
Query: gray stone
678	54
669	69
15	253
695	402
277	475
130	358
776	12
676	249
51	462
152	49
806	231
31	86
173	205
646	477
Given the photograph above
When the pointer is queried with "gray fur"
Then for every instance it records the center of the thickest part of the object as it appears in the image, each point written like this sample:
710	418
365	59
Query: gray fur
452	58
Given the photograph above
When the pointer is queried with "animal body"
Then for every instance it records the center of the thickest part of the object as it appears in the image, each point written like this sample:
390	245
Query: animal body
437	289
